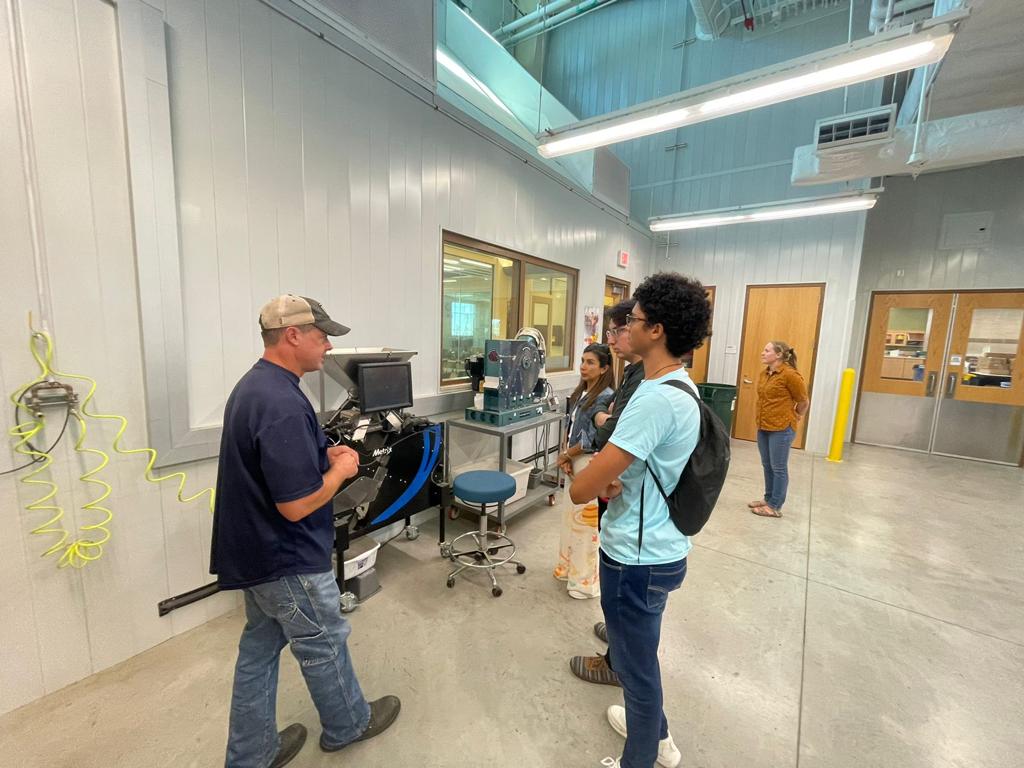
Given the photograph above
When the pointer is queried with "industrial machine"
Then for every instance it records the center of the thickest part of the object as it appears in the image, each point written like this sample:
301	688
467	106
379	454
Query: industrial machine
511	374
398	452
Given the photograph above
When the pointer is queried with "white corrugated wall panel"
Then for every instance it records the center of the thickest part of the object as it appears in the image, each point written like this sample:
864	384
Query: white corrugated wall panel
823	249
297	168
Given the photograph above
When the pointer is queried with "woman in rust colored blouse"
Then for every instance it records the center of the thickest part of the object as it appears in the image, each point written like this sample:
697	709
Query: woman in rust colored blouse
781	402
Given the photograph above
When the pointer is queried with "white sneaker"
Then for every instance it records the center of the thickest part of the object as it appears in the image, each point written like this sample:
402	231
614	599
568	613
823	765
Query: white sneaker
610	762
669	755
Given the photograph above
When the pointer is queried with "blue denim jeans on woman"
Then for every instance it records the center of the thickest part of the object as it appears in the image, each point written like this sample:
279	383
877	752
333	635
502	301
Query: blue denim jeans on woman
633	598
774	447
303	611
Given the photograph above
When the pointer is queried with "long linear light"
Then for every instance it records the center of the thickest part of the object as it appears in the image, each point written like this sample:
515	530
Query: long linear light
784	209
867	59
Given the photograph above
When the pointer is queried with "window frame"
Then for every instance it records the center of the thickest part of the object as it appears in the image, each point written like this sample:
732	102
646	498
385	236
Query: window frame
521	259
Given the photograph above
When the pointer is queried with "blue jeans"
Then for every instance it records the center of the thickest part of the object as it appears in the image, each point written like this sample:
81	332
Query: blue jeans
303	611
774	447
633	598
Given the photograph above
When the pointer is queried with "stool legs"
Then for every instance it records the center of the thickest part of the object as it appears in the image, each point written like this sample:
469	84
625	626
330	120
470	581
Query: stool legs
486	544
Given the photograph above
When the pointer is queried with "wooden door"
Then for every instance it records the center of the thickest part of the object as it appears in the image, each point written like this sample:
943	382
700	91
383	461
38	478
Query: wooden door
789	313
905	343
615	290
984	364
697	362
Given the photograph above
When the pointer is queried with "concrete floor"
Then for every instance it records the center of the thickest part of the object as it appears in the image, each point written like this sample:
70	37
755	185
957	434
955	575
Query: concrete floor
879	623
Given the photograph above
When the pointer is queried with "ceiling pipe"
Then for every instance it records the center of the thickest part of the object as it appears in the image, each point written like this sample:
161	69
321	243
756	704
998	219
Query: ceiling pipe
883	11
540	12
549	23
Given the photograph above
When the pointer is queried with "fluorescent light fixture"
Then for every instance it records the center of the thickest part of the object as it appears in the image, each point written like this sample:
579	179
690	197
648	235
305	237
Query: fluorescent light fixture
463	74
783	209
866	59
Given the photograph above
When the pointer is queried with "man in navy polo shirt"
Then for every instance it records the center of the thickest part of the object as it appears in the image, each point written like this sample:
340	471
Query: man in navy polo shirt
273	533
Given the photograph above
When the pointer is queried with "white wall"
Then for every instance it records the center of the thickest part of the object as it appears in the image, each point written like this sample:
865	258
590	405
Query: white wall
57	626
824	249
297	168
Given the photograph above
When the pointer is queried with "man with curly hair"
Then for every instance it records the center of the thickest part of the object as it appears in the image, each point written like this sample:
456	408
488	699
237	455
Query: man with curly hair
643	554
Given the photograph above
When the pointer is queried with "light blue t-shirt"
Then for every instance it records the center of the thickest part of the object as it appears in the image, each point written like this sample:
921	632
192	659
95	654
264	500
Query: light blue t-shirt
662	425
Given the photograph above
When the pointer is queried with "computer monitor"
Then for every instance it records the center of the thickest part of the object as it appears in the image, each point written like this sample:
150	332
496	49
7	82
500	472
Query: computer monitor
385	386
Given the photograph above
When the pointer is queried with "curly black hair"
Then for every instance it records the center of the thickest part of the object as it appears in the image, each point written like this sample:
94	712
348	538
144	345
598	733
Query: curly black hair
681	305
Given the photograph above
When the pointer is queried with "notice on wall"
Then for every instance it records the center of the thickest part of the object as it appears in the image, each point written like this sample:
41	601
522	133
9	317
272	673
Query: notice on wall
956	360
591	321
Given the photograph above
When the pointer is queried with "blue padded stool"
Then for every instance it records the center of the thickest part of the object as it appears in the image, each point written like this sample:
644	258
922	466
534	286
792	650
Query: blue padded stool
485	547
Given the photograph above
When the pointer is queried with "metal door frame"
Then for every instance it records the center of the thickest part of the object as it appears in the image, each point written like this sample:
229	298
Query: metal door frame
940	394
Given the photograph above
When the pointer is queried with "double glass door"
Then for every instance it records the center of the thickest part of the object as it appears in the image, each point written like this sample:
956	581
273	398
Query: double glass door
943	374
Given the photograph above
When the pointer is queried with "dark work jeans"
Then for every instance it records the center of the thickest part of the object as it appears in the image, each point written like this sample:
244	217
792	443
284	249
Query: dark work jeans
633	598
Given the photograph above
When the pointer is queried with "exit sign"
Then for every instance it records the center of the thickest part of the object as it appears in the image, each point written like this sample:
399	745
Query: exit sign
623	259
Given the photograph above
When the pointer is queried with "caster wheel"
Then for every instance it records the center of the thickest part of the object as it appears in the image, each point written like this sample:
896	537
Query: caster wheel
450	583
496	591
348	602
412	532
520	568
453	513
446	550
492	551
551	500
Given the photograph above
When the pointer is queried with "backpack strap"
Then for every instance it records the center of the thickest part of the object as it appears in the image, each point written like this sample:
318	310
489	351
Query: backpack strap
675	383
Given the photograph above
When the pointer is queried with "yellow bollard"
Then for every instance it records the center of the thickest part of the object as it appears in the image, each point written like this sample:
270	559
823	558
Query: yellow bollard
835	451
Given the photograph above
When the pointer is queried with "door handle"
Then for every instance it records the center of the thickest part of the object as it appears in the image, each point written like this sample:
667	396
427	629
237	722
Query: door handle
929	389
747	381
951	385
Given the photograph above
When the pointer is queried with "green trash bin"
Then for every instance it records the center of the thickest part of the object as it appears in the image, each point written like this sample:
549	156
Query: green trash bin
721	398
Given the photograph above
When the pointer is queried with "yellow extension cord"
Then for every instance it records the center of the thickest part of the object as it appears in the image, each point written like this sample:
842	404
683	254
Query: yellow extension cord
25	433
83	550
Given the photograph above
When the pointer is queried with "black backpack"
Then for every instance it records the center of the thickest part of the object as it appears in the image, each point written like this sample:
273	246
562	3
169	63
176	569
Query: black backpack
695	495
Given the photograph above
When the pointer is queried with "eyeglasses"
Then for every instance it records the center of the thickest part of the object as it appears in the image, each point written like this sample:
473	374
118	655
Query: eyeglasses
612	333
631	318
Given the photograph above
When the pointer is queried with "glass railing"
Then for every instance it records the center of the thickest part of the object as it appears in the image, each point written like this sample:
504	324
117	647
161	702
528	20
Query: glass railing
476	74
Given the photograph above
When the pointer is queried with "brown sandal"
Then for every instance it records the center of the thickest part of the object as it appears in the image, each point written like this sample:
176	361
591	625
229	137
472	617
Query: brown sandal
766	511
757	503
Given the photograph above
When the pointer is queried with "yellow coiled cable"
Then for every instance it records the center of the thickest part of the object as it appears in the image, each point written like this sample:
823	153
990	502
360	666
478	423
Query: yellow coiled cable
181	476
84	549
24	433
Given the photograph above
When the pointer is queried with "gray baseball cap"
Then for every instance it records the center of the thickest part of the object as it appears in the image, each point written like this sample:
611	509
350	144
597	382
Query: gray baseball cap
288	310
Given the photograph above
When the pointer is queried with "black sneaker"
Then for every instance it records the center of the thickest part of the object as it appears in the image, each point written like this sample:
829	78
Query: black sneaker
601	630
383	712
292	739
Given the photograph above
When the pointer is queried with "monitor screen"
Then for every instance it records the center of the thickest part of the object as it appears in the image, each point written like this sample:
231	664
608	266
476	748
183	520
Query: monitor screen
385	387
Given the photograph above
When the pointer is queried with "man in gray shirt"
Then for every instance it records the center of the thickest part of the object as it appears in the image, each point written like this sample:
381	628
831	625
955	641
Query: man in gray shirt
595	669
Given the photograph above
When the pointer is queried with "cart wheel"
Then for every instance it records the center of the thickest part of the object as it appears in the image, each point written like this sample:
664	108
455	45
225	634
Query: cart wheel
492	551
446	550
453	513
520	568
412	532
348	602
496	591
451	582
551	499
